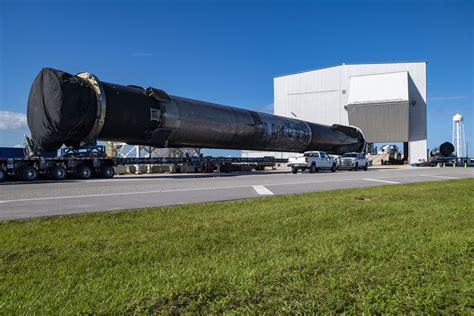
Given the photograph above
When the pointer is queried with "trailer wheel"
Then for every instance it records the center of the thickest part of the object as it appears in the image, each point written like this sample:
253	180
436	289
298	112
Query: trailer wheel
58	173
107	172
2	175
84	172
29	173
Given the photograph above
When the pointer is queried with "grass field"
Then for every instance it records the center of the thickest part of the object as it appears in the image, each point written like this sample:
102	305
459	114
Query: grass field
390	249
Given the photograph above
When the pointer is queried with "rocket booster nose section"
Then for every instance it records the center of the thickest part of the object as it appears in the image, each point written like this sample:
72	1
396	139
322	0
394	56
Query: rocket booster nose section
61	109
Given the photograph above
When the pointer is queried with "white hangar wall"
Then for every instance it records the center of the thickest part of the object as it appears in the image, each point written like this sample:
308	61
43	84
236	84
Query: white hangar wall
322	96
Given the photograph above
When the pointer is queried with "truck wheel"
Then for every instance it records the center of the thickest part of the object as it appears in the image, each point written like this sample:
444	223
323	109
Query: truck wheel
334	167
356	166
2	175
84	172
29	173
312	169
294	170
58	173
366	167
107	172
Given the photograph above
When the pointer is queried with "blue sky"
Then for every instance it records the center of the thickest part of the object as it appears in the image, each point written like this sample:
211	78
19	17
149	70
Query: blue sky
229	51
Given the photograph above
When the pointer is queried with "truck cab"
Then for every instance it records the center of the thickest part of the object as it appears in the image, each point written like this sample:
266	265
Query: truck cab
353	161
312	160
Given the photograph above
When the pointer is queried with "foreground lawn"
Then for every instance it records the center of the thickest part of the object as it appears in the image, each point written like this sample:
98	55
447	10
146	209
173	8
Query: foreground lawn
397	249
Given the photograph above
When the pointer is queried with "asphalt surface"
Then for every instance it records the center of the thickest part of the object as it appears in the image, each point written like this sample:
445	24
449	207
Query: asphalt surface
19	200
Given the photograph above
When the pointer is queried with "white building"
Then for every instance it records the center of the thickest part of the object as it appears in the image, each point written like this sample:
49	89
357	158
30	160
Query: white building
386	100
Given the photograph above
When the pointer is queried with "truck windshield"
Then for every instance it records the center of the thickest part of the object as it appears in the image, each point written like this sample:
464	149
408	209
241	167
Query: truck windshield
349	156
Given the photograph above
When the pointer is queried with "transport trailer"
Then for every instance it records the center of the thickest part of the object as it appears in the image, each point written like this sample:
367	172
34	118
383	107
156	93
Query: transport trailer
84	163
207	164
56	168
89	162
443	155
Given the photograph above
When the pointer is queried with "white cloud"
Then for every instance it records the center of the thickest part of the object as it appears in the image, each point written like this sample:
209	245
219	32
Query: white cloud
12	120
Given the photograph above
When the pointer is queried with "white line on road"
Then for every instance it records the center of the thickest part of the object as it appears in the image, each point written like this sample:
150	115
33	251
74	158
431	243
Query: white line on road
441	177
384	181
261	190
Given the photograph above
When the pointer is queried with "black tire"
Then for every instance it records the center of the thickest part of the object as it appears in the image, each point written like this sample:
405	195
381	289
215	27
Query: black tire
366	167
312	169
294	170
107	172
84	172
29	173
58	173
2	175
356	166
334	167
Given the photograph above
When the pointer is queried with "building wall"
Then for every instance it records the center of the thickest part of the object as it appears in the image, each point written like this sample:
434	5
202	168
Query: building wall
320	96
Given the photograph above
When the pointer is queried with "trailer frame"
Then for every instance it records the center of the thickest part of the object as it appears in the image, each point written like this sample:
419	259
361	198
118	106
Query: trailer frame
86	167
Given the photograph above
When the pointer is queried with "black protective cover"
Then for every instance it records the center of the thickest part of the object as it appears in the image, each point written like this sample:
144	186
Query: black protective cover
61	109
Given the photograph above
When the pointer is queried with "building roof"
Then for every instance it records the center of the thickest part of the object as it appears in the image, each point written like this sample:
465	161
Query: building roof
349	64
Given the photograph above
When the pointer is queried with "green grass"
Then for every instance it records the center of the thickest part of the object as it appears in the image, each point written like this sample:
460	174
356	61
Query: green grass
391	249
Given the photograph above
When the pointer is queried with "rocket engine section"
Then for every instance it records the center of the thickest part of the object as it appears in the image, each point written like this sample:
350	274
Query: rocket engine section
73	110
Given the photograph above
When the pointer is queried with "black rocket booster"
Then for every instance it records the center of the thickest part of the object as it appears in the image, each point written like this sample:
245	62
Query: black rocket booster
446	149
73	110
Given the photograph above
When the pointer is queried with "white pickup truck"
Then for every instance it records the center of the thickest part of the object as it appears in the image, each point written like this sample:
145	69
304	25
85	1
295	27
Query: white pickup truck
353	161
312	160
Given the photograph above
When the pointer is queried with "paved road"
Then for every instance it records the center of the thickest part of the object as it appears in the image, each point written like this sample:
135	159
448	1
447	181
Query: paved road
25	200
